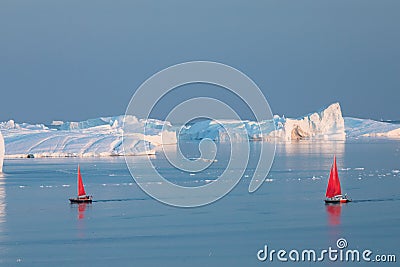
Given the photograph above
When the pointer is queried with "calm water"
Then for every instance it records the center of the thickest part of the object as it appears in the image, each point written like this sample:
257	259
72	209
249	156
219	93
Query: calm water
125	227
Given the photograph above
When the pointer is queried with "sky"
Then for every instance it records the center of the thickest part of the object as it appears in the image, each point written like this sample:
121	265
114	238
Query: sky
75	60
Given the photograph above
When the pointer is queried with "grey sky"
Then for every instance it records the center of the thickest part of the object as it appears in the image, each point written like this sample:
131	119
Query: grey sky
73	60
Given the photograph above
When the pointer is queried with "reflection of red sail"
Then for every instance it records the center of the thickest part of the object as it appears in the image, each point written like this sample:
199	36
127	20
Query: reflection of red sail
81	189
334	214
81	210
334	183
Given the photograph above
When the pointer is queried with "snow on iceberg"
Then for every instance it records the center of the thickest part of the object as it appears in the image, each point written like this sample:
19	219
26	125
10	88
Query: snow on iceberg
95	137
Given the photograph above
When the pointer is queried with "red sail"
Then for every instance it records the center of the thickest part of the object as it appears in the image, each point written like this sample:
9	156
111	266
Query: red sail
333	183
81	189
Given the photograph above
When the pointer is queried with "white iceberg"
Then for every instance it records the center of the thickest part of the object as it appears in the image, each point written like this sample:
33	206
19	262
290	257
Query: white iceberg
96	137
324	124
327	124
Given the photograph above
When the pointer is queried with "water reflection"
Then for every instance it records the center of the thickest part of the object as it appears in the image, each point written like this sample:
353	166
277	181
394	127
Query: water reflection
316	154
81	227
2	208
334	212
315	147
81	210
2	200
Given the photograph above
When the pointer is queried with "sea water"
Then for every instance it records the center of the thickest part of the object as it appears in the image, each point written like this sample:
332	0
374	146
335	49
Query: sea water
126	227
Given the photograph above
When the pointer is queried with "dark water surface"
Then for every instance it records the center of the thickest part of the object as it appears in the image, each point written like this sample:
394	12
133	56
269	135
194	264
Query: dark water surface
125	227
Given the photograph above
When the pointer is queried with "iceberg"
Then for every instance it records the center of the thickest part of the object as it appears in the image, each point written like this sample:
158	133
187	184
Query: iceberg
103	136
95	137
327	124
217	130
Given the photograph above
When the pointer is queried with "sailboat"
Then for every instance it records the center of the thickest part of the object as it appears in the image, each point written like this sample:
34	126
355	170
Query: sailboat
82	197
333	191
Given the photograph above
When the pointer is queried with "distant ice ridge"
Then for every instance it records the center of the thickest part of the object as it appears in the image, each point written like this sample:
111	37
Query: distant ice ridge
325	124
369	128
95	137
